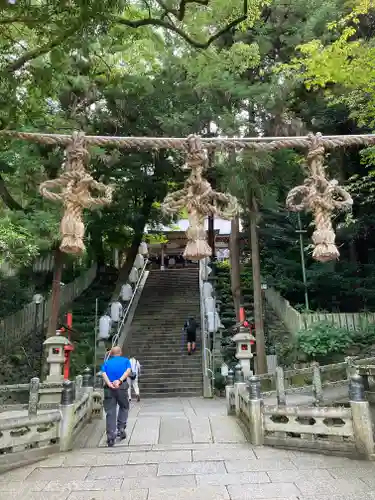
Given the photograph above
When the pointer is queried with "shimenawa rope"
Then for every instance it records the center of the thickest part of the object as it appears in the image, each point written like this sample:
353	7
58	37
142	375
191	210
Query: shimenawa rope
200	201
321	197
75	185
211	143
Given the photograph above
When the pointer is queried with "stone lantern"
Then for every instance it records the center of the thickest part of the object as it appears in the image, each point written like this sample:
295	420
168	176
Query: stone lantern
143	249
55	359
242	339
133	276
139	261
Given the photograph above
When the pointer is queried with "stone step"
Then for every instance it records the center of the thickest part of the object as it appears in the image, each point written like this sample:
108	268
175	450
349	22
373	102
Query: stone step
158	309
168	390
194	394
161	344
148	376
166	361
174	368
170	383
183	371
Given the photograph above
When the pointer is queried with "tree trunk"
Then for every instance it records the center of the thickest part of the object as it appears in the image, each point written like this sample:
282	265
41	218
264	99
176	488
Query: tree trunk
56	290
261	360
235	276
96	243
133	250
211	234
128	264
211	218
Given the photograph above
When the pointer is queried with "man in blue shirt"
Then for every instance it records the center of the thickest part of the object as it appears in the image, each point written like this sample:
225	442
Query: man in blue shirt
115	371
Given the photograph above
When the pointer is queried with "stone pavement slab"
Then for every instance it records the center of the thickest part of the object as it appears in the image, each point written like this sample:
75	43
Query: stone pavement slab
188	449
265	490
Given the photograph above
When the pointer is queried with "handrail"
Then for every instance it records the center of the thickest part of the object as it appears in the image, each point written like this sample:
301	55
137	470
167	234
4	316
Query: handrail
206	352
125	315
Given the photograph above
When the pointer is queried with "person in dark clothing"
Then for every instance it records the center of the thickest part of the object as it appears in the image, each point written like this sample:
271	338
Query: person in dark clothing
115	371
190	328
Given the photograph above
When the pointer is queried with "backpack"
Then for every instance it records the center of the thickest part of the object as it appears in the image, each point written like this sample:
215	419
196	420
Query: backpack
191	326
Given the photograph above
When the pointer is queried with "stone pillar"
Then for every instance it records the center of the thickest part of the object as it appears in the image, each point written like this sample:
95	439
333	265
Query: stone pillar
55	360
238	373
255	411
86	378
280	386
33	397
238	386
243	349
78	387
88	389
351	369
361	414
67	416
317	384
229	390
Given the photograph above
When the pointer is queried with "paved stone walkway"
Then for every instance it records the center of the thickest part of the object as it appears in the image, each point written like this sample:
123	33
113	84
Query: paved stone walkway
181	449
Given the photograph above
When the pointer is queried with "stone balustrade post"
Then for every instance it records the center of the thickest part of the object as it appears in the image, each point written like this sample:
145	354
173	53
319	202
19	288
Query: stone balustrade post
86	378
33	397
67	407
255	411
230	378
317	384
351	369
361	415
78	387
229	390
238	387
238	377
280	386
88	389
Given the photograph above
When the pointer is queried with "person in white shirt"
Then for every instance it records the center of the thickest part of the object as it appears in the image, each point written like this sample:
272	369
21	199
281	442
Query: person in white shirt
133	379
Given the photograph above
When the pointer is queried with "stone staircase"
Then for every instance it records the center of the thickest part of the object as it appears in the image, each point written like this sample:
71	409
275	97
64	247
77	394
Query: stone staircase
275	330
155	337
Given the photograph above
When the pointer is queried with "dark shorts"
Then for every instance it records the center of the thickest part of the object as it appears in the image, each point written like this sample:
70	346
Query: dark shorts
191	337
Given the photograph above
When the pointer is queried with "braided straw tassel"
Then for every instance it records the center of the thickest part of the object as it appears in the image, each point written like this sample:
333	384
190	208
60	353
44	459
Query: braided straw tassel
75	185
321	197
200	201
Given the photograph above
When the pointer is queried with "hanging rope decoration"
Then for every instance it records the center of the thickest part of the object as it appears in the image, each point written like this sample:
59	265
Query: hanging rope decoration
74	186
200	200
321	197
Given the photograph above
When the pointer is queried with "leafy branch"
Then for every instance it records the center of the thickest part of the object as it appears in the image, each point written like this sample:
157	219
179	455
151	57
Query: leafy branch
164	21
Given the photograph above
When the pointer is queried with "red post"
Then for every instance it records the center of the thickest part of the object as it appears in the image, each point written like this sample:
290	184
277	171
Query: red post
242	314
68	348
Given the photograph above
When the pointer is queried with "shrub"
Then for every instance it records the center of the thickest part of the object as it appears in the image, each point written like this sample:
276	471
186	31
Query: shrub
322	341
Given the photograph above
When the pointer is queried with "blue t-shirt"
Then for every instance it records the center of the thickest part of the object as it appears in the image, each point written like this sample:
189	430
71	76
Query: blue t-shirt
116	367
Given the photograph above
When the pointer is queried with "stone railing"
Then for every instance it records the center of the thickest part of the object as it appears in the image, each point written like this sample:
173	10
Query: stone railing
321	382
295	321
15	327
26	436
327	429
